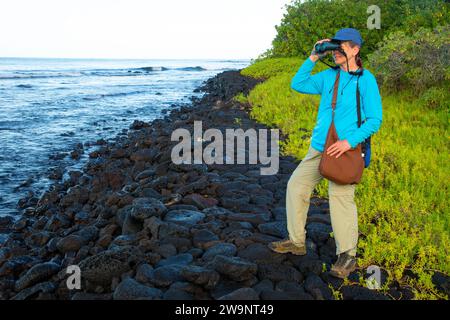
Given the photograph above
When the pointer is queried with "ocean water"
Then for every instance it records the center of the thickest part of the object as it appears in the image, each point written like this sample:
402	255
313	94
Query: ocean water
47	106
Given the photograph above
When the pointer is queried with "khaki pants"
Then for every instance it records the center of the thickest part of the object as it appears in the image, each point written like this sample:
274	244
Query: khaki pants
344	216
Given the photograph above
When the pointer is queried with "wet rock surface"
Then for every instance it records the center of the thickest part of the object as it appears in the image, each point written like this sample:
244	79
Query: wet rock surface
141	227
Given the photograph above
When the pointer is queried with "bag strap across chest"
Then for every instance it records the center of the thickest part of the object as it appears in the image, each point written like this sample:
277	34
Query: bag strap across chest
335	93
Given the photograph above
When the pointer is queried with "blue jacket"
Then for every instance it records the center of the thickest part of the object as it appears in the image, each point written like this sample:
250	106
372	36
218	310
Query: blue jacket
345	118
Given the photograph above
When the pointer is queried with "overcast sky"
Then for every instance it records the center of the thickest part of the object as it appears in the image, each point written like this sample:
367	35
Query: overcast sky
166	29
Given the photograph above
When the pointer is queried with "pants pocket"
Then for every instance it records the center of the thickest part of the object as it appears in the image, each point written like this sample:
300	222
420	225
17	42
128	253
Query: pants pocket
312	154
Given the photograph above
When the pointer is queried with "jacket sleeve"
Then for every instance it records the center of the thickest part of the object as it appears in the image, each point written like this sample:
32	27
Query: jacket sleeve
371	102
304	82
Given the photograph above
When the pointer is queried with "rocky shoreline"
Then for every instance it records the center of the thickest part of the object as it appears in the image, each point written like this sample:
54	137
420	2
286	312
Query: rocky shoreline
141	227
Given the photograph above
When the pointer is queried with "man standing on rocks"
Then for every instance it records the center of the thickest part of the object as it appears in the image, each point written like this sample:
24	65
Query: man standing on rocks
344	218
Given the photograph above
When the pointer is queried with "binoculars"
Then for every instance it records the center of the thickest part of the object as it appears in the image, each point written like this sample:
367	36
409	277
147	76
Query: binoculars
328	46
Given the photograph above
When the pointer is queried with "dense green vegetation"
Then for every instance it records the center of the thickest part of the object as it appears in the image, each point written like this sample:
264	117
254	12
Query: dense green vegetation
402	200
318	19
419	61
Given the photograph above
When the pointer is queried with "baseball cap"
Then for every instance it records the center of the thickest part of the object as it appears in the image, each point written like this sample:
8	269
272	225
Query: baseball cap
349	34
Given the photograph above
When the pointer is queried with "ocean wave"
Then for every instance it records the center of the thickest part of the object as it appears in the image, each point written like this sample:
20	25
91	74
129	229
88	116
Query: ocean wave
11	124
113	72
24	86
150	69
110	95
197	68
38	75
42	74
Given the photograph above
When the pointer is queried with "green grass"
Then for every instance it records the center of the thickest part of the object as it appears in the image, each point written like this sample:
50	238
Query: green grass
402	199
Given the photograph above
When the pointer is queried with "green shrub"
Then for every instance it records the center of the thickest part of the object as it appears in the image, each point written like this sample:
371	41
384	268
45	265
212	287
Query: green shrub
268	68
308	21
418	62
436	98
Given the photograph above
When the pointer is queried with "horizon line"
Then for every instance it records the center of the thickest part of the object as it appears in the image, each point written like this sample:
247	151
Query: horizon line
87	58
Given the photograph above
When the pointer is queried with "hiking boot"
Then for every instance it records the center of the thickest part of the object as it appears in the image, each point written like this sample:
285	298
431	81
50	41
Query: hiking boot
344	265
287	246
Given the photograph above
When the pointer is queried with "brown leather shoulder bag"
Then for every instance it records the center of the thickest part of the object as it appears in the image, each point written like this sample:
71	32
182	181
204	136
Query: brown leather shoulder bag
349	167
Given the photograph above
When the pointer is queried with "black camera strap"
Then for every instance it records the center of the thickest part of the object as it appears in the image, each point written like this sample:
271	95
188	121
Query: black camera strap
358	102
358	111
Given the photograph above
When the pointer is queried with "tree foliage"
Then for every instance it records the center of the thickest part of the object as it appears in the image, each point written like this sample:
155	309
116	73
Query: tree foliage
305	22
418	61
